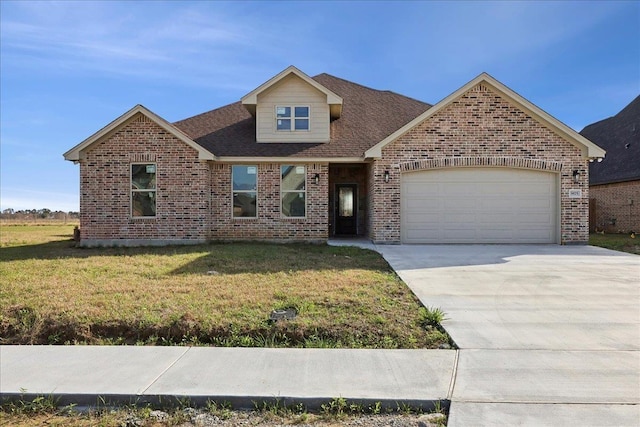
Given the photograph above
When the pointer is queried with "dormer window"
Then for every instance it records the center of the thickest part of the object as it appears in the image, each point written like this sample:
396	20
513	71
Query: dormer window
292	118
284	107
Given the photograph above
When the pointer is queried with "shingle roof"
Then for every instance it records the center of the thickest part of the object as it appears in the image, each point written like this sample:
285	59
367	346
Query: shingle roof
368	116
620	137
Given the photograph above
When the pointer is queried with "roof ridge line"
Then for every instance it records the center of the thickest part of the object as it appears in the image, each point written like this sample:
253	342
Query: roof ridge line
372	89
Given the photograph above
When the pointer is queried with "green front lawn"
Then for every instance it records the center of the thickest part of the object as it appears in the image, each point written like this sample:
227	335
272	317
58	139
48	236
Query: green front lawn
217	294
617	242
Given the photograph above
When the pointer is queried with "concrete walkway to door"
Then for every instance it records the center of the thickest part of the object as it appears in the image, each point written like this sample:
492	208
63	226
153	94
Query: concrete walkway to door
548	335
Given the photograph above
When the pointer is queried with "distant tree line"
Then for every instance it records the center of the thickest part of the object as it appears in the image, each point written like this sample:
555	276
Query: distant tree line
38	214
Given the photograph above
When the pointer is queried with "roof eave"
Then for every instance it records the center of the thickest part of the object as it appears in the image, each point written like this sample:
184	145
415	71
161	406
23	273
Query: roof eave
74	153
614	181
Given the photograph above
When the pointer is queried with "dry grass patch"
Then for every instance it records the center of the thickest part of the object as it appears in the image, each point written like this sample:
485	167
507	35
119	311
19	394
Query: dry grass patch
218	294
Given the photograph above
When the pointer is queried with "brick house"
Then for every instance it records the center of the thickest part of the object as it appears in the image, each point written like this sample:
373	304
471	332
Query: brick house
305	159
614	183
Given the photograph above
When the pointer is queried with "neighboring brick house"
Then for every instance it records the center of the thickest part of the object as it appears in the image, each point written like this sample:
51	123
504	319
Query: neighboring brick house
305	159
614	183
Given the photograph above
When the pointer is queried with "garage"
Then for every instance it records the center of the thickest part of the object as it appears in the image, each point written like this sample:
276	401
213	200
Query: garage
479	205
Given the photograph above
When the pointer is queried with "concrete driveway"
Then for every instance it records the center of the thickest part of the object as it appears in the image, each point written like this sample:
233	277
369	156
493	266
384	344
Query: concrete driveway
549	335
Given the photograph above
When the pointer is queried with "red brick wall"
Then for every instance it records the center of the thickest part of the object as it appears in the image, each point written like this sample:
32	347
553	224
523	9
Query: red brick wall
484	128
619	201
269	225
182	203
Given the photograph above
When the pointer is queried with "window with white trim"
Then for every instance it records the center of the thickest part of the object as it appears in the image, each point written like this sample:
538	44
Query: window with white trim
143	189
293	190
244	182
292	118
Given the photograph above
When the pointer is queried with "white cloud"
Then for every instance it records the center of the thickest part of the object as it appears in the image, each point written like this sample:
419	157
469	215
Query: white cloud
198	44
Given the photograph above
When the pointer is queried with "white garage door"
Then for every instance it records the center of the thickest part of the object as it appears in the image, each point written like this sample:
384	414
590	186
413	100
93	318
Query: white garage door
479	205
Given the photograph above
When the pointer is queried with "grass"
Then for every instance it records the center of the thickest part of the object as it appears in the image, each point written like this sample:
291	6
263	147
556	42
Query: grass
217	294
24	234
337	411
617	242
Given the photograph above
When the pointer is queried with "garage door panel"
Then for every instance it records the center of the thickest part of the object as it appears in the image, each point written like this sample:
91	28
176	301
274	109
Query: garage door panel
504	219
460	234
536	218
479	205
422	234
460	219
539	189
533	235
496	233
416	204
495	189
460	202
420	223
492	204
426	192
537	204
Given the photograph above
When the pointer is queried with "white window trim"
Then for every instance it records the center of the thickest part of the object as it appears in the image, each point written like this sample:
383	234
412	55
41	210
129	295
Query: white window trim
293	118
131	191
244	191
282	192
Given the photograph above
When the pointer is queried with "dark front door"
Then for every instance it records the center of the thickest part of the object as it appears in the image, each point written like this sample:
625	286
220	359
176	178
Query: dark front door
346	208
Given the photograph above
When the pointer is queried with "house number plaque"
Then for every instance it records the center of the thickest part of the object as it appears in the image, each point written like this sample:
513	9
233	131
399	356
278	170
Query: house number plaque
575	193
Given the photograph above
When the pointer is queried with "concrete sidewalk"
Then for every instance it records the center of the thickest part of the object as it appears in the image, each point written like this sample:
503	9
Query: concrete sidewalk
88	375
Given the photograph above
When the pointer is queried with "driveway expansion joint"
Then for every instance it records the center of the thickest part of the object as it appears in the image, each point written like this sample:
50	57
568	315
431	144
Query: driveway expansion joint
453	375
177	359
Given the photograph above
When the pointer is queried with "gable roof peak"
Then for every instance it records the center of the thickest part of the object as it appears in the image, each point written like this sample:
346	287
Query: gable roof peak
74	153
250	100
588	148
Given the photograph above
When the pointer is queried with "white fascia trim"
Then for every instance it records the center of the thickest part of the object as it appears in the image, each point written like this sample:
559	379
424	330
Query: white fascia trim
589	149
74	153
229	159
252	97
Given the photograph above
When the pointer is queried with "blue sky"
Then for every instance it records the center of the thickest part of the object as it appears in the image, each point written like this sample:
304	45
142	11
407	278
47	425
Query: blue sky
69	68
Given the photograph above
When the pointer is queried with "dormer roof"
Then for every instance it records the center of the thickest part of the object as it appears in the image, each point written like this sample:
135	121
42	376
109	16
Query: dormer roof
250	100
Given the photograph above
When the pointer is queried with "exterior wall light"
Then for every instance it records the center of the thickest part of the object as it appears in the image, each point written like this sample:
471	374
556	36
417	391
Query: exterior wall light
386	176
576	176
316	179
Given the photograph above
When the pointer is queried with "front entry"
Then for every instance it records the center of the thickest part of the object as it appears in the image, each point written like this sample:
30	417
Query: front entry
346	212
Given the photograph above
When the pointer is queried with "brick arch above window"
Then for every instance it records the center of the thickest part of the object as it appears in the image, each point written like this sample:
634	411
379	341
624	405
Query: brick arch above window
508	162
